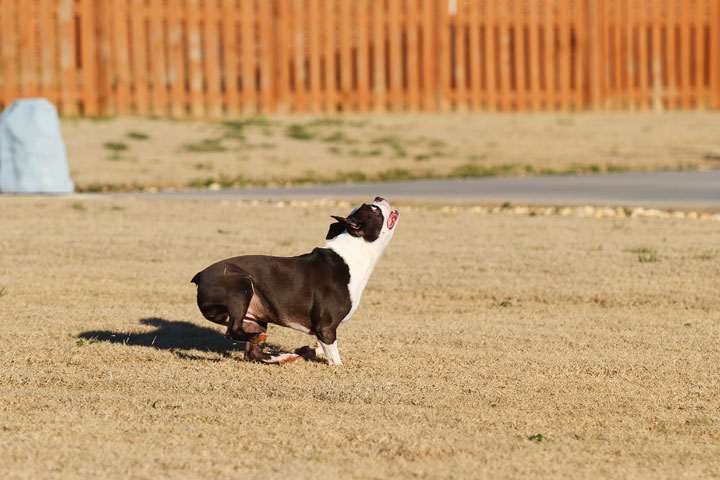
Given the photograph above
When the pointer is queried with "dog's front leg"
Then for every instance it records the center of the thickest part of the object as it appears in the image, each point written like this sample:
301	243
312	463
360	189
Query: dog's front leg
328	341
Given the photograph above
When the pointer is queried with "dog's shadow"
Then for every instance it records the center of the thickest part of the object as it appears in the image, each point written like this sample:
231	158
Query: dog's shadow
177	337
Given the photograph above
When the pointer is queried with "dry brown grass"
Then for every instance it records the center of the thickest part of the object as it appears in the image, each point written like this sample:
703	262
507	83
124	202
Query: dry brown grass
113	153
476	334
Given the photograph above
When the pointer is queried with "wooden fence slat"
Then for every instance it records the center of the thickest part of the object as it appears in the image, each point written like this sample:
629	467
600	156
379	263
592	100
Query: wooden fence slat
474	55
314	55
282	74
228	47
378	58
345	52
394	60
444	58
580	29
643	60
459	66
68	81
176	61
700	64
518	55
47	36
211	58
363	50
411	55
671	60
685	40
158	78
104	58
9	52
533	56
298	49
714	54
429	57
551	56
27	51
266	49
89	58
491	49
139	56
194	60
247	44
655	59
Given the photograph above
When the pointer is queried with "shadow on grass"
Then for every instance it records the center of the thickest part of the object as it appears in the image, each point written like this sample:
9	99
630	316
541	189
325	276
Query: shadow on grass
177	337
172	336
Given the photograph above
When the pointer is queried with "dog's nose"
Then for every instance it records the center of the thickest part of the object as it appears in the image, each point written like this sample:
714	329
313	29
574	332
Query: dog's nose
381	200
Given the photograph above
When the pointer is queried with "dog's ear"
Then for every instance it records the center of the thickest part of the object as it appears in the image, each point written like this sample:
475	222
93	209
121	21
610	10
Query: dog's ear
350	224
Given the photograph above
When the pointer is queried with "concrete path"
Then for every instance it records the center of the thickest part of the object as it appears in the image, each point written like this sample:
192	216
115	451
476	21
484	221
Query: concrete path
680	189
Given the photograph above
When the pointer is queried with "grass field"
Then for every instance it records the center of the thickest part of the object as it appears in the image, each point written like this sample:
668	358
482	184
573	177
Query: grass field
136	153
486	346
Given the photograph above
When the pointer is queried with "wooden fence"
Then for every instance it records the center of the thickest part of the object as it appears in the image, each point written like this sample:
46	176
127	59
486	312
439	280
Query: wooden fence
209	58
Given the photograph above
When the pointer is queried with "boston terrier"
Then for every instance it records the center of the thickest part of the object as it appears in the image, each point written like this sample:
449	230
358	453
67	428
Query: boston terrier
313	293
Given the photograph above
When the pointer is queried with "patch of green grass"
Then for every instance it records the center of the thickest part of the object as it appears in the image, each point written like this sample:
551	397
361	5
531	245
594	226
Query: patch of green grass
335	150
236	128
706	255
339	137
223	232
394	143
79	206
326	122
3	291
645	254
308	177
357	153
476	157
299	131
471	170
650	257
260	146
504	304
353	176
138	135
538	437
115	146
204	146
203	166
395	174
81	343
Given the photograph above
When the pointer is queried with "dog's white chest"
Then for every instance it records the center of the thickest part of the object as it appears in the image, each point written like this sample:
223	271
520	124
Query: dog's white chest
361	260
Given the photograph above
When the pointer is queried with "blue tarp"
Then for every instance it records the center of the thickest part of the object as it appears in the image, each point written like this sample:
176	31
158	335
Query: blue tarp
32	151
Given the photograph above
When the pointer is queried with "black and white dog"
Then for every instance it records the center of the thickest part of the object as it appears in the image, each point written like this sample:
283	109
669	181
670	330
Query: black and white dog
313	293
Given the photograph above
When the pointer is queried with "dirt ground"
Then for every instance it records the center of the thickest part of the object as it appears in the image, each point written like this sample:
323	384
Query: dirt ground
486	346
137	153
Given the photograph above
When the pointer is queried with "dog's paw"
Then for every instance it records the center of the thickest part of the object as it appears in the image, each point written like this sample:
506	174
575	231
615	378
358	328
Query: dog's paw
308	353
282	359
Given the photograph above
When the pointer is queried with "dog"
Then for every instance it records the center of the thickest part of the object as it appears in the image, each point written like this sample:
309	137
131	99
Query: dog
314	293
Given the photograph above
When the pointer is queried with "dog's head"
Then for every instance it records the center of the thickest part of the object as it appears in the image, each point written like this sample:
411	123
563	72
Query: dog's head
373	222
